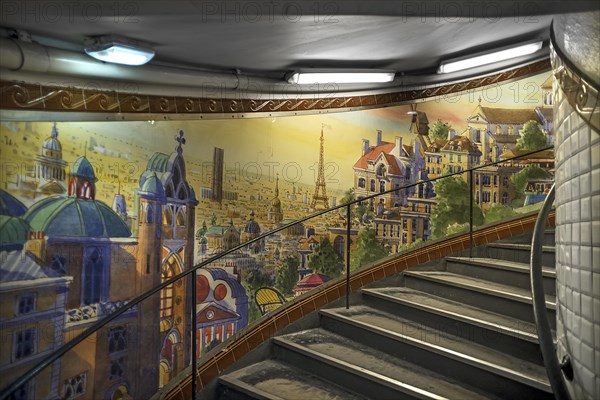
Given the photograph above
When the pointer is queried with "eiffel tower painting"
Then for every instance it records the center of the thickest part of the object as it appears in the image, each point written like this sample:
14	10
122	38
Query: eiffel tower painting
320	196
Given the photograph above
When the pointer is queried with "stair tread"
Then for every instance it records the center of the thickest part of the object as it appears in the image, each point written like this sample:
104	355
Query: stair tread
457	310
399	372
505	264
284	381
521	246
482	285
442	343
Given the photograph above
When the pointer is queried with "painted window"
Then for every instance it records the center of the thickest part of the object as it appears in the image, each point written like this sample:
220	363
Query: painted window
117	339
372	185
24	343
117	368
381	186
26	304
362	183
75	386
170	268
93	276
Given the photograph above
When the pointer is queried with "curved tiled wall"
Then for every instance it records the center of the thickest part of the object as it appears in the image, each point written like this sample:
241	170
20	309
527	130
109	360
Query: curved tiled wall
577	149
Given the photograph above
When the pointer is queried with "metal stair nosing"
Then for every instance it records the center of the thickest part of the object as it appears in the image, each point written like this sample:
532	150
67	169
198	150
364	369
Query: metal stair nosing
512	340
502	271
355	378
478	293
246	389
493	378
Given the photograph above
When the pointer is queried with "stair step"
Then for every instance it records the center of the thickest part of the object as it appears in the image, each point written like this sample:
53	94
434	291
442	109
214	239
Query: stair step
510	335
520	253
501	271
271	379
481	366
501	299
368	371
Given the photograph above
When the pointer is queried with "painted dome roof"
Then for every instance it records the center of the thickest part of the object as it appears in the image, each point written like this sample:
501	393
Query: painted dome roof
83	168
252	227
70	216
9	205
52	142
153	187
13	231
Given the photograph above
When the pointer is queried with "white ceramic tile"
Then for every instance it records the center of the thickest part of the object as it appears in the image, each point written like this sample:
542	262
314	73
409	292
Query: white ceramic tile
596	260
596	305
595	156
587	306
585	258
595	208
595	181
596	284
584	184
585	237
585	278
584	160
596	233
587	356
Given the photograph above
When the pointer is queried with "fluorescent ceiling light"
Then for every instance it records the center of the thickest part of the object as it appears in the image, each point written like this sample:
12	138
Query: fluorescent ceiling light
365	76
118	50
488	58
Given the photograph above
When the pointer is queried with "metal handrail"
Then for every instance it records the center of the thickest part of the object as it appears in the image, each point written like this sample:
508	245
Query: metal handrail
44	363
553	368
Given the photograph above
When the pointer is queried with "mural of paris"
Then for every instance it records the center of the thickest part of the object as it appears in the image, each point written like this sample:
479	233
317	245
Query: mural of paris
95	213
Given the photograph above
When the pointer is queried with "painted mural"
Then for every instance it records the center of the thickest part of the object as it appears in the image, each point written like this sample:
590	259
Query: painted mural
95	213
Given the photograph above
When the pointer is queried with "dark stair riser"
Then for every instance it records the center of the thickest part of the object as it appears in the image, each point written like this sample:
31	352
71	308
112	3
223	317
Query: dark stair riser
520	255
500	275
506	342
488	301
346	379
455	369
225	392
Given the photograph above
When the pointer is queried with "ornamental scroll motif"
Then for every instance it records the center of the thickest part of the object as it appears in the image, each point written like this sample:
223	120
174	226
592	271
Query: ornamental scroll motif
25	96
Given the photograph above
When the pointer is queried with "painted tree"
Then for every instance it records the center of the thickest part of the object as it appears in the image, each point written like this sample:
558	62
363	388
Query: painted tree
498	212
325	260
453	206
254	281
439	130
369	249
530	172
287	276
532	137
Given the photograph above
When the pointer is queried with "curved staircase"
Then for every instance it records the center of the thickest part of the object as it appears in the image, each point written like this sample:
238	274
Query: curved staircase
459	328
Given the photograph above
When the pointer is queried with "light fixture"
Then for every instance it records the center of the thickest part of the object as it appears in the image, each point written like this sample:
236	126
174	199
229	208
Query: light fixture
118	50
488	58
306	77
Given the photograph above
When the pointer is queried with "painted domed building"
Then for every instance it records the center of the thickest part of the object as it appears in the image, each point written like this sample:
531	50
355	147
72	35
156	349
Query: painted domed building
49	166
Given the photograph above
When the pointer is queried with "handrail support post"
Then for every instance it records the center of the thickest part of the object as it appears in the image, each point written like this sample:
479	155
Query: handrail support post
348	211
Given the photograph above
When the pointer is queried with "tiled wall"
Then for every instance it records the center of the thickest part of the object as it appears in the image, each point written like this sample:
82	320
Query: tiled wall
577	203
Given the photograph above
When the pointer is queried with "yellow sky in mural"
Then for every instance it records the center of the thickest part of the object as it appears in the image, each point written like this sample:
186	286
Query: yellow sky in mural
286	145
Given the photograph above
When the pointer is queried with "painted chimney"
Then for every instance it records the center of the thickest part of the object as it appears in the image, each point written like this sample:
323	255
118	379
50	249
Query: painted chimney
365	147
451	134
398	148
379	133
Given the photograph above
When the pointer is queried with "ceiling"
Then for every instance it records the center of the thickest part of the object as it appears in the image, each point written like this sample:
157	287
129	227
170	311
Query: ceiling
265	40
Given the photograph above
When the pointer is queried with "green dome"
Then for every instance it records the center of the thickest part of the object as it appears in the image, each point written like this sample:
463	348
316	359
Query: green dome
70	216
13	231
83	168
152	187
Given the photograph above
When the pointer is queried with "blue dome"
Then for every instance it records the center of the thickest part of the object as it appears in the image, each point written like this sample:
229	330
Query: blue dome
83	168
9	205
252	227
70	216
52	144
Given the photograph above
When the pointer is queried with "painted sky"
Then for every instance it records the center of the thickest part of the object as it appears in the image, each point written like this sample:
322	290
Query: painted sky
275	142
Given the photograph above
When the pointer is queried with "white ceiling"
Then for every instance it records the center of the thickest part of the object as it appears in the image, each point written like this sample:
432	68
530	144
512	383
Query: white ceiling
267	39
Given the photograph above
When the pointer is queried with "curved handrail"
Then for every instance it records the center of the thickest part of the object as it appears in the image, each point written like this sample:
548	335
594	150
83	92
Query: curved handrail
553	368
44	363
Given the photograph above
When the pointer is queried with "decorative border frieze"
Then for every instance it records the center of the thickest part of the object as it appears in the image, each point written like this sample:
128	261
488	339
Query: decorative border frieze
27	96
